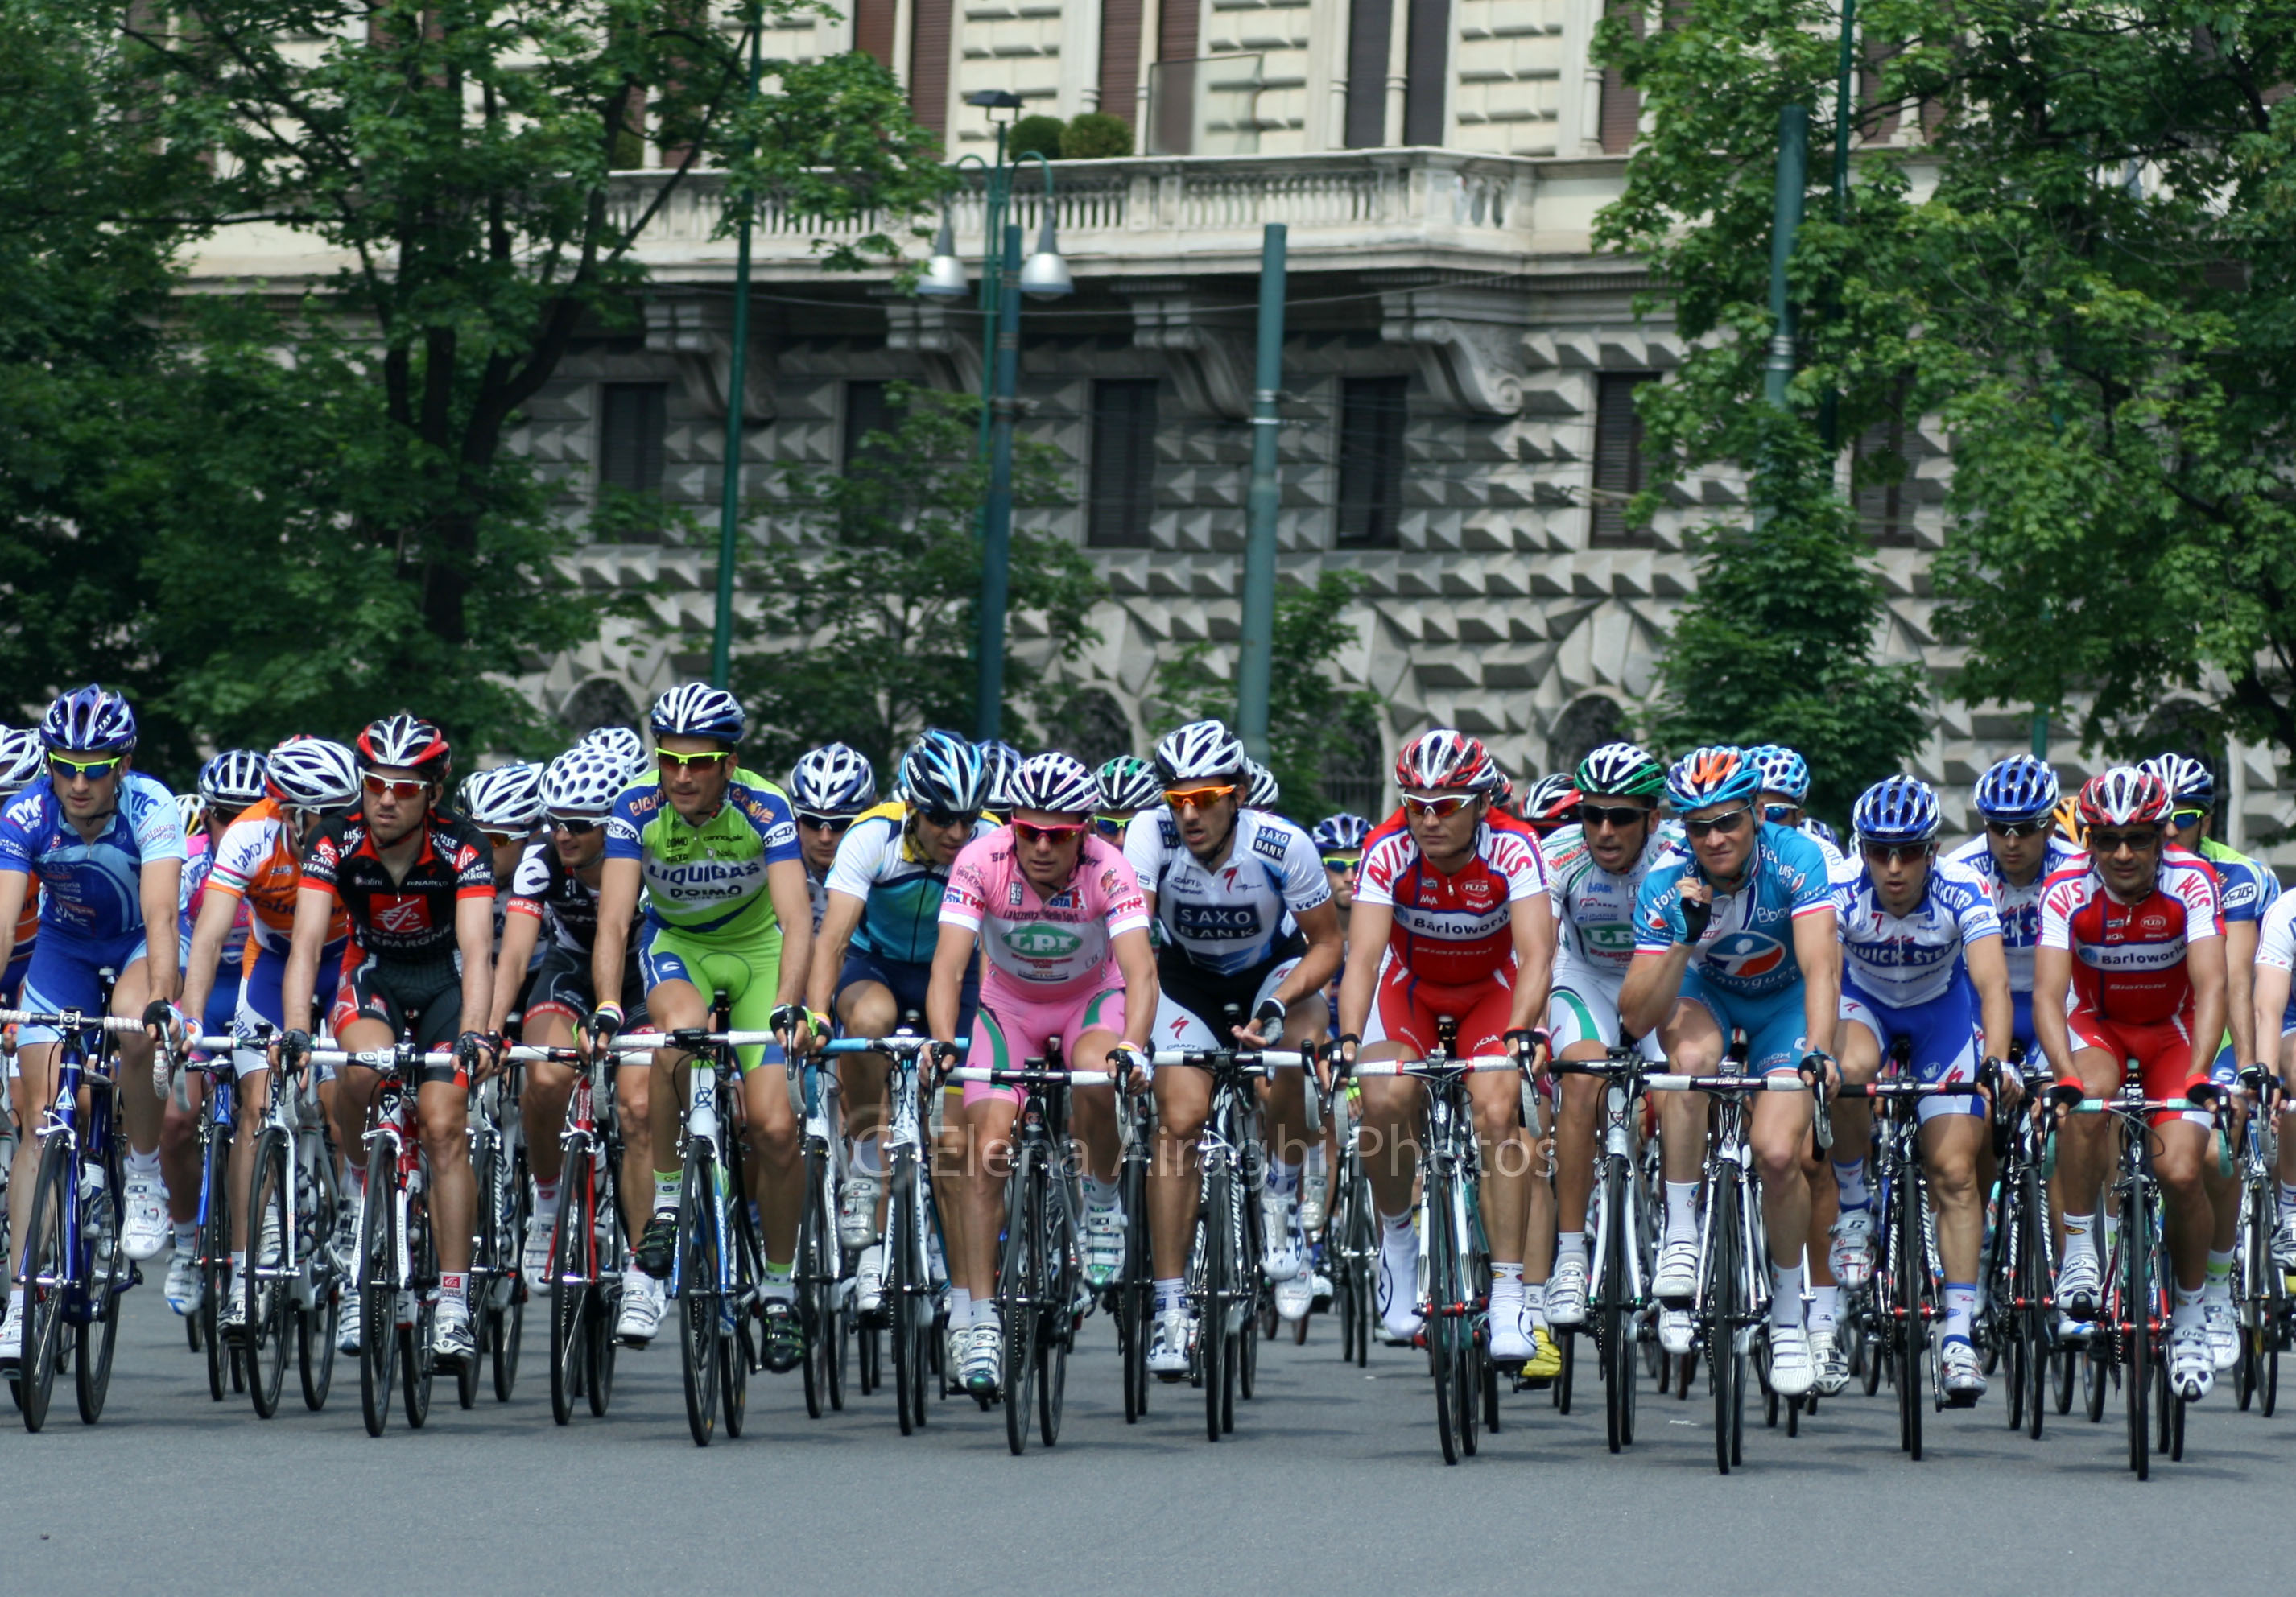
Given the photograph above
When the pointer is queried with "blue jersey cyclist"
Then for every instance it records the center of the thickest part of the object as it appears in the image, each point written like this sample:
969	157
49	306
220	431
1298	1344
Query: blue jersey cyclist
1922	964
106	846
1785	787
2018	851
21	759
1735	930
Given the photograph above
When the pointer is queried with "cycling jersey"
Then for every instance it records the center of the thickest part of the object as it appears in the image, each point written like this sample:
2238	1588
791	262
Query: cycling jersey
1232	917
1839	866
1037	945
817	894
200	856
410	921
2245	888
1455	929
899	884
2129	959
708	881
1901	960
543	887
258	862
2276	946
1746	948
2017	909
1595	910
91	890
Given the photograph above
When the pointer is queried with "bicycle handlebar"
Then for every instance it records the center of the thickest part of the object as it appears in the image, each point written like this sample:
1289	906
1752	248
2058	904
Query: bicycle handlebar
1782	1081
1251	1058
1479	1064
1005	1075
913	1042
118	1025
1912	1089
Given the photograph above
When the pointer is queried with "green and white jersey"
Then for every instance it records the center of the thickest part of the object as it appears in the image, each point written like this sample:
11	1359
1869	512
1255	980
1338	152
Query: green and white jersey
1594	910
707	880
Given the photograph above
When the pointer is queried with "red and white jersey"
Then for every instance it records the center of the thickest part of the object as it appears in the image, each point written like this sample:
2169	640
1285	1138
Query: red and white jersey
2129	959
1453	931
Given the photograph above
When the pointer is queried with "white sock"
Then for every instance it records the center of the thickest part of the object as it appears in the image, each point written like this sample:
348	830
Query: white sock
960	1308
141	1166
2078	1237
1506	1293
454	1286
2190	1311
1571	1244
239	1270
1849	1180
780	1283
1284	1177
187	1235
16	1307
1786	1294
1100	1194
2287	1197
665	1191
1534	1298
1825	1307
1171	1295
1681	1211
356	1173
1960	1309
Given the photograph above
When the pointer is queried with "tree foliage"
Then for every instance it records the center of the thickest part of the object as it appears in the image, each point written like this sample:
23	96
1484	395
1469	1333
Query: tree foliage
2084	271
867	596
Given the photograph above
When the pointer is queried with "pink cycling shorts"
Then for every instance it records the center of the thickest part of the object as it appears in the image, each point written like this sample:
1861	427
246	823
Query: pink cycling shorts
1009	1030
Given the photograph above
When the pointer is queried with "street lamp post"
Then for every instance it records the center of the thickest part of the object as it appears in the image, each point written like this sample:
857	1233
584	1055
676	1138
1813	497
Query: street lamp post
729	510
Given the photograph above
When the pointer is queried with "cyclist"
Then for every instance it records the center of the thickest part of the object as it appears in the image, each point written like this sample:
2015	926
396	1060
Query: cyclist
552	926
2275	1017
1455	922
504	803
20	759
2131	966
1003	762
1058	915
1594	872
1128	784
1922	963
1552	805
874	963
1249	925
2017	852
1786	785
829	789
107	845
1339	842
623	745
1736	930
715	847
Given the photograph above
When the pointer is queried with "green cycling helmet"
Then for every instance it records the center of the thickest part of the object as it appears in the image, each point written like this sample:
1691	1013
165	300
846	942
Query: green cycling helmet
1621	769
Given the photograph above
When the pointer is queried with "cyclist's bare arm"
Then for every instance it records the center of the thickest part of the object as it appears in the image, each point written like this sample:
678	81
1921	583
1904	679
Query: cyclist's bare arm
2239	988
793	908
1136	958
1818	951
1327	945
315	912
2268	1003
2052	978
159	884
837	928
944	996
520	933
618	880
1650	987
2204	968
1368	925
218	911
474	935
1532	921
15	886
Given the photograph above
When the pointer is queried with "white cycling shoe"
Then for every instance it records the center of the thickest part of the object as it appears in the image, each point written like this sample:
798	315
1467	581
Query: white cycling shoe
534	1258
1676	1330
1399	1300
983	1374
1852	1254
183	1285
1676	1280
2223	1326
2192	1364
148	1229
641	1312
1167	1345
1962	1372
1103	1244
869	1279
1294	1297
2079	1284
1315	1200
1832	1363
1566	1292
1514	1339
2284	1241
1792	1371
1282	1256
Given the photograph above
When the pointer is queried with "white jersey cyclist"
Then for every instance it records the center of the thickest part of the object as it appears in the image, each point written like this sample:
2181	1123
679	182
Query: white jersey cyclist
1594	936
2275	949
1914	959
2017	909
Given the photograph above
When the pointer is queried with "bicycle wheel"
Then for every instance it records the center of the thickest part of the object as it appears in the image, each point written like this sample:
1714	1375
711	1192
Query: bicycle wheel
420	1369
1724	1311
699	1277
571	1247
378	1287
1442	1328
908	1309
506	1323
1016	1289
1614	1329
318	1325
599	1345
2273	1332
2134	1317
1055	1330
1135	1299
1907	1296
46	1264
214	1254
1215	1240
270	1295
2035	1276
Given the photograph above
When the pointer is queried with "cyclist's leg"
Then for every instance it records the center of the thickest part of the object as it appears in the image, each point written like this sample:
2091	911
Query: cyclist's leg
865	1007
1183	1098
1695	1036
1841	1243
1780	1128
2085	1152
139	1106
1399	1027
1944	1041
675	1000
558	1000
1091	1029
1000	1040
442	1107
180	1112
1284	1103
2183	1147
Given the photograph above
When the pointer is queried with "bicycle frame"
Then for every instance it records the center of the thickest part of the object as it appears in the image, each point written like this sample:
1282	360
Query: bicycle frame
95	1142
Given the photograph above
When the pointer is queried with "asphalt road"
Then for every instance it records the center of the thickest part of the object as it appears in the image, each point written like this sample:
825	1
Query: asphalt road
1332	1482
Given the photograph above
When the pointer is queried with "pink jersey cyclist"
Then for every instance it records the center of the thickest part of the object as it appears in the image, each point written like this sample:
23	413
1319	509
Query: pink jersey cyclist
1050	968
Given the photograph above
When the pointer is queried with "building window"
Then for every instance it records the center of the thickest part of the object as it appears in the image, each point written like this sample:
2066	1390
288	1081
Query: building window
1368	24
1372	418
1355	769
1426	71
1618	457
1620	118
632	422
1123	464
867	410
1583	728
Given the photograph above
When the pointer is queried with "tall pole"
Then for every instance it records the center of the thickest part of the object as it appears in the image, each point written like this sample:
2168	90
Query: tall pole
997	546
1793	178
729	513
1845	121
1254	668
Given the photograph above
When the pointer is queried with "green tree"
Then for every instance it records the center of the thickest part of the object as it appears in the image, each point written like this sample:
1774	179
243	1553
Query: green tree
2093	292
1310	716
1096	135
865	625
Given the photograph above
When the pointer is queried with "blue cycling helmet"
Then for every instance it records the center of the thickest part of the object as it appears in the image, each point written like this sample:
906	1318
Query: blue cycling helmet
695	709
1901	809
1783	771
2188	780
233	779
1818	828
1341	831
89	720
833	779
2020	788
1718	774
944	771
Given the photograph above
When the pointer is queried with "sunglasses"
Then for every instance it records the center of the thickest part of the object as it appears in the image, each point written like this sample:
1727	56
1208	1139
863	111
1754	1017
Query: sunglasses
837	823
2182	818
574	826
502	839
1199	798
1725	824
667	761
1617	816
2014	830
1110	826
1892	854
1029	833
1438	807
1777	814
1336	862
397	787
94	770
2143	840
949	817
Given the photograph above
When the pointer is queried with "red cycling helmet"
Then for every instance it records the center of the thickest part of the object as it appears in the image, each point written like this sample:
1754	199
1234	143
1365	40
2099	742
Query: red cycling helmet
2124	796
1444	758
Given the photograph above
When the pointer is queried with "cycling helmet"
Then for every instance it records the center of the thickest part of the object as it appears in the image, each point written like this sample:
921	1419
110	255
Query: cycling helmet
1341	831
1899	809
944	771
233	780
2020	788
1554	803
1503	796
191	810
1445	758
695	709
22	757
2068	814
1266	792
1813	827
584	781
2188	780
1621	770
1783	771
835	779
406	742
2124	796
89	720
505	798
1057	783
1718	774
1003	762
313	774
1130	784
1200	751
621	744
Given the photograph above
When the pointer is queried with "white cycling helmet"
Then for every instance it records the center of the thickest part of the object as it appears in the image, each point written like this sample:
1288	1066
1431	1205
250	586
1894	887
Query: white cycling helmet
1200	751
1266	792
191	810
621	744
505	799
233	780
313	774
695	709
583	781
1057	783
22	756
834	780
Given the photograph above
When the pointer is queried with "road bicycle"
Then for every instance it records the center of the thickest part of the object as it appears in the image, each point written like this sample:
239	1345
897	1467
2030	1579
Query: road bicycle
1617	1287
294	1284
396	1270
822	1277
2259	1285
588	1239
2021	1266
1131	1298
218	1129
1351	1242
505	1203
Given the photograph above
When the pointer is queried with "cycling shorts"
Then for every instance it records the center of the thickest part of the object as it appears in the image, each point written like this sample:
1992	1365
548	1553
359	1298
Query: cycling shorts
1941	1036
257	1008
63	974
1777	1036
2020	1024
2162	1050
12	980
909	981
1011	1029
1582	1006
1405	1009
750	976
1191	1002
560	985
423	1002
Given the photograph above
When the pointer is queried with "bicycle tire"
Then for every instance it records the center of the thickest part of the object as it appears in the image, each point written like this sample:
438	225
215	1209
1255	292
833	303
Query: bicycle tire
601	1346
908	1298
213	1244
1470	1269
1912	1326
1559	1391
1057	1292
45	1257
1253	1295
2135	1316
575	1236
507	1323
378	1287
2035	1279
421	1370
1724	1311
1614	1336
733	1372
812	1264
697	1278
1135	1291
1016	1291
270	1300
2274	1331
318	1326
1442	1328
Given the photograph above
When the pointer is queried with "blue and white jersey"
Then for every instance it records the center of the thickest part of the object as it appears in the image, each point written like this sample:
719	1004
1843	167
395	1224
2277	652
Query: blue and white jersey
2017	909
1901	960
1840	867
2276	948
91	890
1746	948
1229	918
